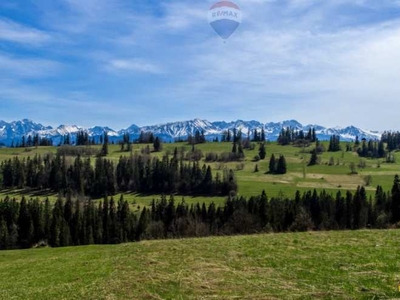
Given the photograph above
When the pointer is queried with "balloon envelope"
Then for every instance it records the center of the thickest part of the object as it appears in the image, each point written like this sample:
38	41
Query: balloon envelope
225	17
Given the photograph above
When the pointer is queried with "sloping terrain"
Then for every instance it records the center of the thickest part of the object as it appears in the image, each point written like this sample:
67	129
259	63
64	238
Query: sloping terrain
326	265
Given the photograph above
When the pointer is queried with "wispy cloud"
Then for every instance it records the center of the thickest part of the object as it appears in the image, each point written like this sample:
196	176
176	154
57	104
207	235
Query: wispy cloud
11	66
18	33
308	59
293	70
181	15
133	65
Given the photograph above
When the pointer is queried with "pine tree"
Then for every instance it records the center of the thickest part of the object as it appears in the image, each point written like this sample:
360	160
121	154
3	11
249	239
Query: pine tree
357	142
240	150
143	223
157	145
262	153
360	208
262	138
29	141
381	150
281	166
309	135
256	138
272	164
25	226
334	143
104	148
314	136
4	239
228	136
76	227
47	218
314	158
395	206
56	224
234	148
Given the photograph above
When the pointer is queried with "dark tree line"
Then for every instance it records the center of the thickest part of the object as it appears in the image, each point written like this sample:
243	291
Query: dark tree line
257	136
277	165
135	173
289	136
126	144
145	138
24	224
392	139
372	149
334	143
235	135
198	138
34	141
83	139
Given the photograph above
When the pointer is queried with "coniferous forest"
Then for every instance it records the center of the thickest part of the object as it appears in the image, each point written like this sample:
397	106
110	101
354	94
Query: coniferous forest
28	223
136	173
80	173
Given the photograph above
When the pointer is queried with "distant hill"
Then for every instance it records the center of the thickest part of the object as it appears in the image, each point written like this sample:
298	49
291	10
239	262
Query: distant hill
174	130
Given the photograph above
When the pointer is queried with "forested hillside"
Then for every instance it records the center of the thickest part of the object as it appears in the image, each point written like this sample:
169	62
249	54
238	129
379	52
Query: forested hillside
146	189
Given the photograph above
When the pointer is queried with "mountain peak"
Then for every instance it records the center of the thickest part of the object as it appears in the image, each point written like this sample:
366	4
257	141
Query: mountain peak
181	129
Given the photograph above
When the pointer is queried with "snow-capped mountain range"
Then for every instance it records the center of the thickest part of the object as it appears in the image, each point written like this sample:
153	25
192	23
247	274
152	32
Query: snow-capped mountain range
14	131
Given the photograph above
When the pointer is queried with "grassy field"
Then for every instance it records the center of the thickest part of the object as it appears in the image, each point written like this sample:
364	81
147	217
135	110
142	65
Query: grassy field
329	265
299	176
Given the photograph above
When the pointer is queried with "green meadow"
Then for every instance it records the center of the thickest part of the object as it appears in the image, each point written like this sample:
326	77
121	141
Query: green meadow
299	176
314	265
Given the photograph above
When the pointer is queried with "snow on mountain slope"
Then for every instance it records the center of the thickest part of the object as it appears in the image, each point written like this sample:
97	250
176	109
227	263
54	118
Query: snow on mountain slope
17	129
182	129
98	130
173	130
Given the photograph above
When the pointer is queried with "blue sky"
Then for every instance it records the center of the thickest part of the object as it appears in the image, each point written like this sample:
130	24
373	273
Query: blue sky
101	62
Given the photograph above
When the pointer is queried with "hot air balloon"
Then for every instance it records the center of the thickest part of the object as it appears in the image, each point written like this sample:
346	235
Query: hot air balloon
225	17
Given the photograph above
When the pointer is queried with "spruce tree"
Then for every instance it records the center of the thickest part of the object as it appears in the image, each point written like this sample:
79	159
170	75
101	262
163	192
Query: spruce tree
395	206
228	136
25	226
262	138
272	164
143	223
104	148
4	239
157	144
240	150
262	153
256	169
314	136
281	166
314	158
255	136
234	148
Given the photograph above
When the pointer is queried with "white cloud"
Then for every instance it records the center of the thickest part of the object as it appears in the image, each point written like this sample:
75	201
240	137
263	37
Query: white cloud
309	59
14	32
134	65
27	67
296	71
181	16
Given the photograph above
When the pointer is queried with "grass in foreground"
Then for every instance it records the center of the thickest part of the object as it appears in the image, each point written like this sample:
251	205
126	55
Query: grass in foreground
327	265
